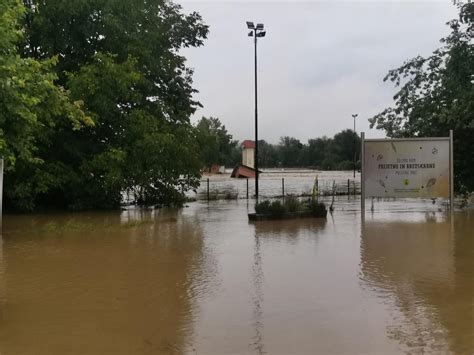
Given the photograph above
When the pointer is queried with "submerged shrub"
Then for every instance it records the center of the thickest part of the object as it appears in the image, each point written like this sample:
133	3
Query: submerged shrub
292	204
272	208
262	207
277	209
317	208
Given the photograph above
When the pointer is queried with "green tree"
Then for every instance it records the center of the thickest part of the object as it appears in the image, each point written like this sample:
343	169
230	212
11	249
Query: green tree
290	150
121	58
318	148
342	149
267	155
216	144
436	94
32	109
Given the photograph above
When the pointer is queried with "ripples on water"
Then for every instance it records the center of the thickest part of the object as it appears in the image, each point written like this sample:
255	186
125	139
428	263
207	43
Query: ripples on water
205	280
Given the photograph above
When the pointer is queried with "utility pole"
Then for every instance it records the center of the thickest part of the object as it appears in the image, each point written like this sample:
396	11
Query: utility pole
256	31
355	135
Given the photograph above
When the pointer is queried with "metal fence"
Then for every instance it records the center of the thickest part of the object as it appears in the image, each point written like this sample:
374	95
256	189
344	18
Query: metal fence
274	187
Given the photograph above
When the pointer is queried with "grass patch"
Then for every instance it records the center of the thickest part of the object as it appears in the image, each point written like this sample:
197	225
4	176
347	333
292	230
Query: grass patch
291	204
136	223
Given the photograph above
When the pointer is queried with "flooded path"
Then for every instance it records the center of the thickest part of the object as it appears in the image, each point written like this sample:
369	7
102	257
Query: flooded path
204	280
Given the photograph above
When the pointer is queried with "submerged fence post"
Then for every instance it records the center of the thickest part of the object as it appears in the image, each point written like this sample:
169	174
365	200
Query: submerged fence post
283	187
451	172
207	189
348	188
247	188
362	175
1	196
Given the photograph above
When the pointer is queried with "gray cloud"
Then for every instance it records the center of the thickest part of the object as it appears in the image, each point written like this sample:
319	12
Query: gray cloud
320	61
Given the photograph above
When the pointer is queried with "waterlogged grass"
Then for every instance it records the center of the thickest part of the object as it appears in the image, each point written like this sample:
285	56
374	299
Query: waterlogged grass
71	225
77	226
290	204
136	223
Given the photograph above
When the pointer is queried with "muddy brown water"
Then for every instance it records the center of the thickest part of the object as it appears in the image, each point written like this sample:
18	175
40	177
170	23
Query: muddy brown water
204	280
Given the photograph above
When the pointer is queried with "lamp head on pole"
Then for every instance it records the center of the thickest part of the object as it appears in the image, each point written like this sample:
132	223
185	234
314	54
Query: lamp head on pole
258	29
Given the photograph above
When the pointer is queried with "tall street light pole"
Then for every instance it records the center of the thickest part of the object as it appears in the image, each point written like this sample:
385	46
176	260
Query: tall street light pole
355	135
255	32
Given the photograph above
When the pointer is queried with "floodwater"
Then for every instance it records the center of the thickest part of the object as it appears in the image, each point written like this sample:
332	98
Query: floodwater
295	181
204	280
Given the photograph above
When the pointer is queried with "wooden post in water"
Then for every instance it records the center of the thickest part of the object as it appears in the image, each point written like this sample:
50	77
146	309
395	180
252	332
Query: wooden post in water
348	188
283	188
247	188
207	189
1	196
362	174
451	172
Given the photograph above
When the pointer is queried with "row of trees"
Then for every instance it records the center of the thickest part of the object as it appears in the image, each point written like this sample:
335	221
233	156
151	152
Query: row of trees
324	153
218	147
95	99
436	94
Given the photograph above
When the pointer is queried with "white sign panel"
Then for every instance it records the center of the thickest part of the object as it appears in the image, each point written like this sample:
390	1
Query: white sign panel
407	168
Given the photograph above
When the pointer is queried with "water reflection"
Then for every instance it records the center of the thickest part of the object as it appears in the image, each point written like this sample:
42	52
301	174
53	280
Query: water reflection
266	234
289	230
420	266
257	316
101	283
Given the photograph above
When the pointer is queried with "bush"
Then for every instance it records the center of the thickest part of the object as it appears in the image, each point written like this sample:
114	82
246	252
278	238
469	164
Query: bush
262	207
345	165
292	204
317	208
277	208
274	208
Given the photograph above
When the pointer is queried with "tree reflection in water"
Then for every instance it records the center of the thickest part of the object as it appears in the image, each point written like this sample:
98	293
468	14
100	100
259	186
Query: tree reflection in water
119	283
289	231
425	270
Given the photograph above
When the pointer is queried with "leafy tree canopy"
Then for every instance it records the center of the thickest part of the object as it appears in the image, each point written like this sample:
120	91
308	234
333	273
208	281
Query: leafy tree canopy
120	60
216	144
32	108
436	94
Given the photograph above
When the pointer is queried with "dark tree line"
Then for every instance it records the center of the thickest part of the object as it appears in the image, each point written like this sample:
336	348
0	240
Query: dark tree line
323	153
95	100
436	94
217	146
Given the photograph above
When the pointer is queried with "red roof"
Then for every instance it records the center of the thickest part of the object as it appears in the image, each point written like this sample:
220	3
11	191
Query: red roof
242	171
248	144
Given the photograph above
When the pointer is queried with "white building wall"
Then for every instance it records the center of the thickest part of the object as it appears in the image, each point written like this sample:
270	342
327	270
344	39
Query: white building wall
248	157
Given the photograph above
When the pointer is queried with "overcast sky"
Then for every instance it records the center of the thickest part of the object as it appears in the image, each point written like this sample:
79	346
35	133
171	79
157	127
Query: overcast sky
320	61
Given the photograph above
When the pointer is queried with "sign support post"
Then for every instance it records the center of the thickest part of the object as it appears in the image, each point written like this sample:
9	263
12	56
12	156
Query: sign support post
451	172
1	196
362	174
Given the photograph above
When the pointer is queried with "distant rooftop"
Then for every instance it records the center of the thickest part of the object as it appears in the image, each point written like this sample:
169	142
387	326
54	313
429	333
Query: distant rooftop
248	144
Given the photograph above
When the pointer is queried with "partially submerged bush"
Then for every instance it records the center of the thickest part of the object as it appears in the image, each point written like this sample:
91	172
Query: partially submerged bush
277	209
292	204
317	208
262	207
272	208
